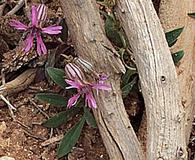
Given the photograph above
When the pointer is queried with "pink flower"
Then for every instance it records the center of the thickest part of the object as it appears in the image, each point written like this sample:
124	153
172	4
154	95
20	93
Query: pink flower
76	79
85	89
34	29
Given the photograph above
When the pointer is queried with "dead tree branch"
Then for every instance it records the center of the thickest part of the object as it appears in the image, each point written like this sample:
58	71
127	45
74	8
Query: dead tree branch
86	30
165	115
172	17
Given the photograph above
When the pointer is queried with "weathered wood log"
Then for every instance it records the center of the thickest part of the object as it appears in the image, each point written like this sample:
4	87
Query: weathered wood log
159	83
90	43
172	17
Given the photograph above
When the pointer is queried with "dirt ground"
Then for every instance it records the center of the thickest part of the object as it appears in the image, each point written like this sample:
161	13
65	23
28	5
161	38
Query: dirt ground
25	139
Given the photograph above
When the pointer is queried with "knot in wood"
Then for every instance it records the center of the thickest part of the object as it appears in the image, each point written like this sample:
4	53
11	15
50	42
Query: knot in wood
79	3
160	158
180	153
163	79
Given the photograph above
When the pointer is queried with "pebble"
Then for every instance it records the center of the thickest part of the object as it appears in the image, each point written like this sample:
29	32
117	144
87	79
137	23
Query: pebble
6	158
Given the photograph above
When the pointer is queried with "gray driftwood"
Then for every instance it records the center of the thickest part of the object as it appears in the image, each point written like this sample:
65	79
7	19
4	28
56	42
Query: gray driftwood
159	83
173	17
90	42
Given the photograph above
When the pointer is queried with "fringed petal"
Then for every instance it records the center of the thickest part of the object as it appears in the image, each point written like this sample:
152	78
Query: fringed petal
28	42
34	19
41	49
52	29
90	100
18	25
73	100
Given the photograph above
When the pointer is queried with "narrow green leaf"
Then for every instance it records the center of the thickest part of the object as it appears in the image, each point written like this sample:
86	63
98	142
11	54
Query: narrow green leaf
113	32
64	33
1	2
89	118
127	88
177	56
126	77
61	118
56	120
172	36
57	75
52	98
192	15
70	138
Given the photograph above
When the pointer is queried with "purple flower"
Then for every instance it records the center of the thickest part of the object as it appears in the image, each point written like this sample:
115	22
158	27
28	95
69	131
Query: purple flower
34	29
102	78
76	79
85	89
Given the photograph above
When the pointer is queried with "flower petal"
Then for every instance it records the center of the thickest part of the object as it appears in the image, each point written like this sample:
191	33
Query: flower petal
101	86
41	12
74	84
102	78
18	25
73	100
34	19
28	42
90	100
52	29
41	49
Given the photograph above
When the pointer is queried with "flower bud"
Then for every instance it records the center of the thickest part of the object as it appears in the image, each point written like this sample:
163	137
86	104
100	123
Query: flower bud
102	78
73	72
42	12
86	66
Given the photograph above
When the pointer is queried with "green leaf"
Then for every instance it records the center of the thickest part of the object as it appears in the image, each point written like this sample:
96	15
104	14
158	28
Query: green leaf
89	118
64	33
126	77
61	118
52	98
1	2
113	32
172	36
177	56
192	15
127	88
70	138
57	75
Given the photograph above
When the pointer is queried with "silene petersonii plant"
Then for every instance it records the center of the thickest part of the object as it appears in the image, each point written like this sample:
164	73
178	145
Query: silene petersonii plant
34	29
81	98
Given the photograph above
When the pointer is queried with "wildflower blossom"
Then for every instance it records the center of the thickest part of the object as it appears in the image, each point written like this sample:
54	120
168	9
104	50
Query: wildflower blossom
83	88
34	29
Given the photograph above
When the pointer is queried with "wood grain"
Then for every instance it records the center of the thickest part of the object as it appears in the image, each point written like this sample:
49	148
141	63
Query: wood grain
172	17
159	83
91	44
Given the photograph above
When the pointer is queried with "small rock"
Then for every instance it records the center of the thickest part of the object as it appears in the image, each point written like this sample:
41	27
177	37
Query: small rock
6	158
77	153
2	127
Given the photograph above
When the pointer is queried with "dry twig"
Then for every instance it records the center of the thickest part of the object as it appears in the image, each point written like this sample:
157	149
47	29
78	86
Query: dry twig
52	140
16	8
